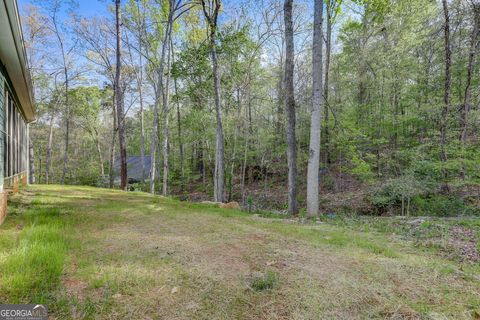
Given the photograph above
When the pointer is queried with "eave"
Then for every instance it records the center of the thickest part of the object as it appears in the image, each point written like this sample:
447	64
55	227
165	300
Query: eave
14	58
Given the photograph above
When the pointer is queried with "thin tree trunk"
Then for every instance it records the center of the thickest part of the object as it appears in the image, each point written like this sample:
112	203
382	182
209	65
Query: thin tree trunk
219	176
219	153
112	146
290	109
67	108
244	170
31	162
99	151
446	96
179	132
328	50
159	91
470	67
165	123
140	92
119	99
67	131
280	103
49	151
314	154
234	153
204	169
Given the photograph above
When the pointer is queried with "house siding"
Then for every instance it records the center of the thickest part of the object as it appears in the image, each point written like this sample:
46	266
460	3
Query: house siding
13	134
2	129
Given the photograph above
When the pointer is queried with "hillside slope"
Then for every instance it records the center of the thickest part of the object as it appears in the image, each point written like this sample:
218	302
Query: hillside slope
98	253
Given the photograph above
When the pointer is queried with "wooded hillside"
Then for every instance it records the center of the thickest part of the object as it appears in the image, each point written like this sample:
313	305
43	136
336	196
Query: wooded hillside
374	102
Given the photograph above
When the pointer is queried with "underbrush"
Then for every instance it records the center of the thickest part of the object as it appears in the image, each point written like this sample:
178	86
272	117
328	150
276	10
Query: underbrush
408	196
452	238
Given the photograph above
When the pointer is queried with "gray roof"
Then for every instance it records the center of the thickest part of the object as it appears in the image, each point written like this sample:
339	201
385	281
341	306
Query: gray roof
134	167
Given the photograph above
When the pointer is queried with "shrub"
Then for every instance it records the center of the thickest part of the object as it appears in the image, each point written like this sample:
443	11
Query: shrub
440	205
396	192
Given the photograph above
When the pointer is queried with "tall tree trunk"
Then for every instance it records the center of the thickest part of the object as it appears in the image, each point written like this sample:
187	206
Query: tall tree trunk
179	122
67	126
219	176
99	151
165	123
328	50
31	162
446	96
280	103
49	151
219	147
471	63
179	132
67	107
140	93
158	93
290	109
314	154
119	99
244	170
142	132
234	154
112	146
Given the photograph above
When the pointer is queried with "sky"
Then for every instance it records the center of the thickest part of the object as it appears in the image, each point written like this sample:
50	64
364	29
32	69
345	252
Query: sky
86	7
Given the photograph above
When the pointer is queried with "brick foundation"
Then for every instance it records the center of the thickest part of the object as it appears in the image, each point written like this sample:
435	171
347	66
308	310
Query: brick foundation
3	205
10	185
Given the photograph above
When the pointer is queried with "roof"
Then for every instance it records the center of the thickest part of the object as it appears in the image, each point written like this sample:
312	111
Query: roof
134	167
14	58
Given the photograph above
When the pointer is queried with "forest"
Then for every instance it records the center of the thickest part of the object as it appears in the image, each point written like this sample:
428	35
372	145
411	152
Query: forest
300	107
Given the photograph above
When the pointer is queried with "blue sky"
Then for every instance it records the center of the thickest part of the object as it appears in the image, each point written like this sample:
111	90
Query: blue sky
86	7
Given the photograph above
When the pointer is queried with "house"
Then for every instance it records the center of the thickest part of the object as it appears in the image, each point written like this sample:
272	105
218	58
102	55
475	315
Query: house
134	169
16	103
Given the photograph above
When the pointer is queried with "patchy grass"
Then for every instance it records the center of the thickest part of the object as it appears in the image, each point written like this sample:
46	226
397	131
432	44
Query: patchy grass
455	238
98	253
264	281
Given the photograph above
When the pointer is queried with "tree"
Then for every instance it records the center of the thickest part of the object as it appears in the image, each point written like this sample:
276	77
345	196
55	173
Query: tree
99	45
211	9
447	91
332	11
473	50
176	8
290	108
119	99
86	107
317	97
53	8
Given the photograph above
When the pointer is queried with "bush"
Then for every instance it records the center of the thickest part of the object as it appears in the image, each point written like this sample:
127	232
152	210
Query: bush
440	205
396	193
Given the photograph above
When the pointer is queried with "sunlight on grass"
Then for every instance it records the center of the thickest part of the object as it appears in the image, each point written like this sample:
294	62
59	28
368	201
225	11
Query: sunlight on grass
97	253
34	267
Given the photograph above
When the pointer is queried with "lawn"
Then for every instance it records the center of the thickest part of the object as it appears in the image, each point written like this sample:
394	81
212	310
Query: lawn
98	253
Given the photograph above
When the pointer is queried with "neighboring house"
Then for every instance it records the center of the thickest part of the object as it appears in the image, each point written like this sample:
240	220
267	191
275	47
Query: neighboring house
134	169
16	103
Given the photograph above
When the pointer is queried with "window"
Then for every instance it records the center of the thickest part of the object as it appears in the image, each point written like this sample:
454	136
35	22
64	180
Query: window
15	143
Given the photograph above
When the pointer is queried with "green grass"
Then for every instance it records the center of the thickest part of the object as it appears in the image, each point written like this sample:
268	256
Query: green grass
265	281
97	253
33	267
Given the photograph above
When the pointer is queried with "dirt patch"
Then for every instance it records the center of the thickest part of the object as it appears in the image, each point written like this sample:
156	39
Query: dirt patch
225	262
75	288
